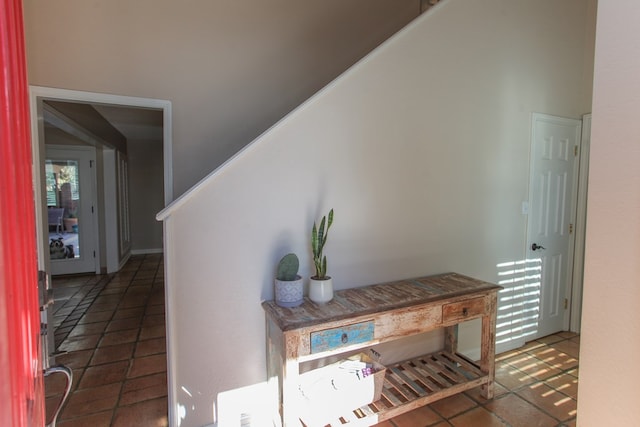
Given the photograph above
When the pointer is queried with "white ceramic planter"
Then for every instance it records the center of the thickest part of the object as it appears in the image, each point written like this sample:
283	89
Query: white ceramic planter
289	293
321	291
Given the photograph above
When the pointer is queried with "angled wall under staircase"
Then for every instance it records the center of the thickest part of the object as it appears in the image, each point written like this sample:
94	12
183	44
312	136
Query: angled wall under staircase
422	150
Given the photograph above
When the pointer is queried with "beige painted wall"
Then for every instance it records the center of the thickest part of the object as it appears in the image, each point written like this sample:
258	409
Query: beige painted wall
146	199
230	68
608	386
422	149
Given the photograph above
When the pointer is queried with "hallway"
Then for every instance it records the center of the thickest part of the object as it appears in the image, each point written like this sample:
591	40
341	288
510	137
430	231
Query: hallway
111	331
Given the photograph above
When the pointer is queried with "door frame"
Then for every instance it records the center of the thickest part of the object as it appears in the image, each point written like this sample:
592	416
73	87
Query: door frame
37	94
581	225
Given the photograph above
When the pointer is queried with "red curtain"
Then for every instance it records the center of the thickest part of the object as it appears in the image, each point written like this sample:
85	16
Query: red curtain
21	386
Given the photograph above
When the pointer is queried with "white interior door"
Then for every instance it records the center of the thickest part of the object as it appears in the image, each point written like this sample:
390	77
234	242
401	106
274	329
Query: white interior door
550	231
70	186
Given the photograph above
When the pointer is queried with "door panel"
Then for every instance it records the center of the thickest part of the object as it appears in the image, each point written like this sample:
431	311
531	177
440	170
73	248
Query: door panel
21	387
70	187
553	193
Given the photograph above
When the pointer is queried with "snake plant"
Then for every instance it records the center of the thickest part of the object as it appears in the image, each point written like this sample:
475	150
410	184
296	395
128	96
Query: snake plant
318	240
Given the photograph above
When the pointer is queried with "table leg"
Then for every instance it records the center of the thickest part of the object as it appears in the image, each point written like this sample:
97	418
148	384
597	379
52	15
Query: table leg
290	394
451	339
488	348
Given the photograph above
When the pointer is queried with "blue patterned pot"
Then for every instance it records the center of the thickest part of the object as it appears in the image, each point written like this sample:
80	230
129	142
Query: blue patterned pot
289	293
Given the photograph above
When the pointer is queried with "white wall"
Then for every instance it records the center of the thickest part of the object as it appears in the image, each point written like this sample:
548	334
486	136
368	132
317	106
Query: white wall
422	149
230	68
608	385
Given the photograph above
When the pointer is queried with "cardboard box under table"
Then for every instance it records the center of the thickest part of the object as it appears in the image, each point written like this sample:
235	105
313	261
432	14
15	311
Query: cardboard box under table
339	388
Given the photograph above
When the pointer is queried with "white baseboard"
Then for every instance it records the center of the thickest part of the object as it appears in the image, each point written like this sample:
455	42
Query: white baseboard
147	251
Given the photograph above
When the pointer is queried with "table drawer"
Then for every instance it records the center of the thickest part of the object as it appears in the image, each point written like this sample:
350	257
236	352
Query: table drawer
330	339
463	309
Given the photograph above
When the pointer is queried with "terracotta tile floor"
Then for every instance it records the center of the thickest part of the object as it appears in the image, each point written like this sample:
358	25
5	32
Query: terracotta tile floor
536	386
110	331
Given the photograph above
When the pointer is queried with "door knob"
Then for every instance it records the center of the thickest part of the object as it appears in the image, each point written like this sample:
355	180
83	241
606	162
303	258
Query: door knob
536	246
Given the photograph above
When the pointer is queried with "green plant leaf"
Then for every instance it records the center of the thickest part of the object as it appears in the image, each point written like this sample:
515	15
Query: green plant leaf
324	268
314	240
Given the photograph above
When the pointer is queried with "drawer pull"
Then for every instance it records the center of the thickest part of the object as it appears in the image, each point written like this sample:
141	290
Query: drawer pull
345	338
465	311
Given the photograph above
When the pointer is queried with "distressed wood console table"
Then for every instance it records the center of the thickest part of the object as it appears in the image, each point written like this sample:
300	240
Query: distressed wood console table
362	317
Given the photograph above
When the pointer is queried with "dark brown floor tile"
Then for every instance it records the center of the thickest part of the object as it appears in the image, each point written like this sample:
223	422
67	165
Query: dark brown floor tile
148	365
477	417
149	332
115	291
123	324
147	413
99	316
112	353
154	320
519	413
88	329
115	287
101	419
554	403
119	337
155	309
149	347
125	313
423	416
133	302
144	388
145	282
157	299
452	406
88	401
75	359
99	307
111	300
109	373
83	342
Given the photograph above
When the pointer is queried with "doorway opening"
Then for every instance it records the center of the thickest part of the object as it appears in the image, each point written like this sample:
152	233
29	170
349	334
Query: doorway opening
120	130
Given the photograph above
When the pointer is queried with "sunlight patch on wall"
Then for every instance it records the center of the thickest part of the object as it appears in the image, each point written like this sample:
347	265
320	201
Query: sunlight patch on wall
519	301
247	406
